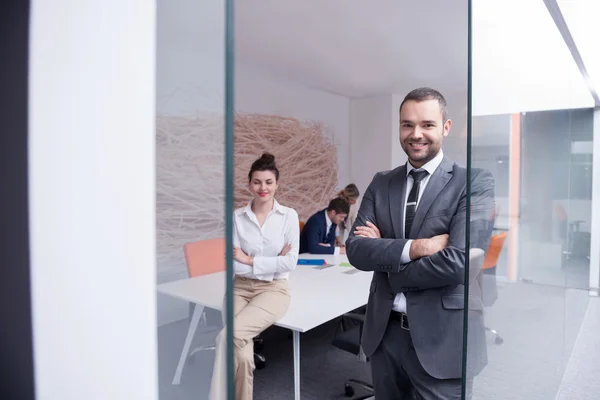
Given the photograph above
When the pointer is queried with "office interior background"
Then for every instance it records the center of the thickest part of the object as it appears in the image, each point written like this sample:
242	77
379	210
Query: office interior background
127	160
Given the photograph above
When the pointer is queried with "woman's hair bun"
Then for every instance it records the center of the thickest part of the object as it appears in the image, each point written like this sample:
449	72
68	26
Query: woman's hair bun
268	157
266	162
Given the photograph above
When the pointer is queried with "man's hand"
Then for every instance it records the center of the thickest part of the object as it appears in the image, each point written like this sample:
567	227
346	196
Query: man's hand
240	256
427	247
370	231
342	250
286	248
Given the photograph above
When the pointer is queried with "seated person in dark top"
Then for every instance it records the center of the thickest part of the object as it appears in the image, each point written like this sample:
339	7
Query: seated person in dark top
318	235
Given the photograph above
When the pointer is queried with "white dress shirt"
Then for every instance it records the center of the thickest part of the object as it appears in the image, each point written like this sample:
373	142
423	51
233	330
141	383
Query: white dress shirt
265	243
431	166
329	222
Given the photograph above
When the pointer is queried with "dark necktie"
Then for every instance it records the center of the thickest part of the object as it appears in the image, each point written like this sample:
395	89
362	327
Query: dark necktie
413	197
331	230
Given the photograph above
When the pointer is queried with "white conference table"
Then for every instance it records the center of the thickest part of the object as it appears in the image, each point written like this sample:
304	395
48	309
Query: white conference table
318	295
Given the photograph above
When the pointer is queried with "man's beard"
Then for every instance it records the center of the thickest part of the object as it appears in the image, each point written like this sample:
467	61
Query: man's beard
424	157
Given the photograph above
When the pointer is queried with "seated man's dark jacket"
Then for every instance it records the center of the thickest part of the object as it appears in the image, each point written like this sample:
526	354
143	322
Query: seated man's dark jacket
315	232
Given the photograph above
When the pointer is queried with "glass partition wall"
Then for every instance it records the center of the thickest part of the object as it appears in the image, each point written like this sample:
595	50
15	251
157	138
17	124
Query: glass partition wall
331	117
194	158
538	148
536	273
319	85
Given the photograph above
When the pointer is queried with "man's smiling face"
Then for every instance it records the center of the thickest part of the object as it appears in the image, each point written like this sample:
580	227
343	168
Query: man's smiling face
422	130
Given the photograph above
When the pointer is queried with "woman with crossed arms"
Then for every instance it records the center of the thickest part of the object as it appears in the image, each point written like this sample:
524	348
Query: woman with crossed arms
265	249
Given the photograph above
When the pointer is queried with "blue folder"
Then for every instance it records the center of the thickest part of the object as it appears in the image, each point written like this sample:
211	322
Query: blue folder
319	261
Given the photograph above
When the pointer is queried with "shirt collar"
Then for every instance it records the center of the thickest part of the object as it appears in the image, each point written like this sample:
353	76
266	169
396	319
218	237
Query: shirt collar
327	219
430	166
276	208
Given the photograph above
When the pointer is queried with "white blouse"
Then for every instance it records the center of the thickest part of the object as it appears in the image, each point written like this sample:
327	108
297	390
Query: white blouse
264	244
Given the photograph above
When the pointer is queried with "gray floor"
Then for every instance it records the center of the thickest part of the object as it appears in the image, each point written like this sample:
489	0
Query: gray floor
574	274
541	327
324	368
580	380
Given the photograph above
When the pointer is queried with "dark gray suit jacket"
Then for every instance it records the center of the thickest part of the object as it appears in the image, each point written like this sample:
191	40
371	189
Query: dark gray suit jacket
433	286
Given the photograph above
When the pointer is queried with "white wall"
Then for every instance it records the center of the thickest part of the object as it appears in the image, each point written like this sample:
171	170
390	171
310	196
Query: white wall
91	161
190	58
371	135
256	92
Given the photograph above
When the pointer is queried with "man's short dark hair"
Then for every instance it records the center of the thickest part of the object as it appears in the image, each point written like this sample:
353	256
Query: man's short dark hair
340	206
425	93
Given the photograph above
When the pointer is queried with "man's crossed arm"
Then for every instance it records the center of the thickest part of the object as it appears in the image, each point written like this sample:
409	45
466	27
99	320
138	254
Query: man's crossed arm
433	262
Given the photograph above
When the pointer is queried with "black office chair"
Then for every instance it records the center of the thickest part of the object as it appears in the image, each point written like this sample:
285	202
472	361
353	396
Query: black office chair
260	360
577	242
349	340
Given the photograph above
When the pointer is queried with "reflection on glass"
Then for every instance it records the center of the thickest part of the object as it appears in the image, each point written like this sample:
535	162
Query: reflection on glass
533	129
191	196
556	212
537	262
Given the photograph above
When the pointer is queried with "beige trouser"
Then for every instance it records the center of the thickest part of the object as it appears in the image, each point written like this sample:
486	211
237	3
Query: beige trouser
257	305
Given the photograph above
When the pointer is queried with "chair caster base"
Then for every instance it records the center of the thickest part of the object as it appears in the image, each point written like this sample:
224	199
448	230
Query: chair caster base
259	344
348	390
259	361
497	338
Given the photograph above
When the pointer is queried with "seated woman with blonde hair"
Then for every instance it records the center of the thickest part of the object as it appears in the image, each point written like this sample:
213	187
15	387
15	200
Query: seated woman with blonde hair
351	194
265	250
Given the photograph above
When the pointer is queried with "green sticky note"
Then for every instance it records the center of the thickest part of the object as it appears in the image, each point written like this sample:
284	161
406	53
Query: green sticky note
345	264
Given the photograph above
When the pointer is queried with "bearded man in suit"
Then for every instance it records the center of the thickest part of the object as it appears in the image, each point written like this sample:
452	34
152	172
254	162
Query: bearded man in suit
411	231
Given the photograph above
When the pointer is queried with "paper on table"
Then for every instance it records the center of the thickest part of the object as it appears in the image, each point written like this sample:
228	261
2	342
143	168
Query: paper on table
345	264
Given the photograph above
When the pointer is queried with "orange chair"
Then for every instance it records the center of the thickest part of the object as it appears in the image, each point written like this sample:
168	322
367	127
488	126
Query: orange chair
491	261
494	249
202	258
205	257
301	225
208	257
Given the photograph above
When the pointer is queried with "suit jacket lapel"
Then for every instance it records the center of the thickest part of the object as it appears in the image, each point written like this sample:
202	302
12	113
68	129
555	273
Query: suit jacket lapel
397	196
436	183
324	226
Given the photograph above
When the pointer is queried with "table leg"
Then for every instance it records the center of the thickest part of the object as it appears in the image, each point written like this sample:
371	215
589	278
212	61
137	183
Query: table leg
296	336
198	310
